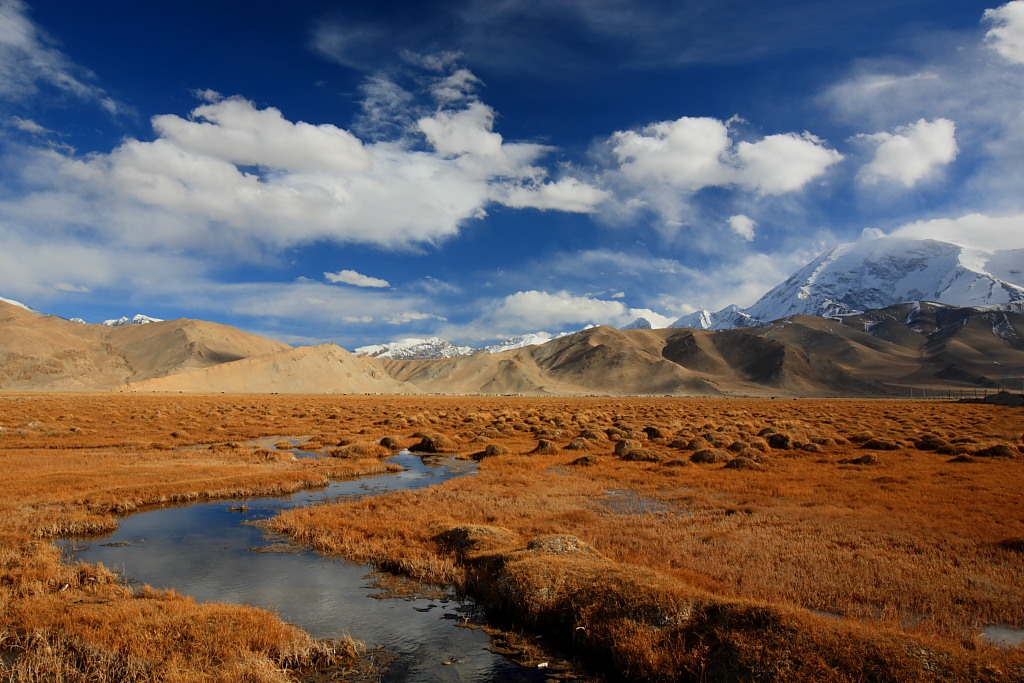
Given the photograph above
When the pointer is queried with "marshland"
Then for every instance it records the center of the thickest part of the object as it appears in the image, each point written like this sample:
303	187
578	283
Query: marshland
650	538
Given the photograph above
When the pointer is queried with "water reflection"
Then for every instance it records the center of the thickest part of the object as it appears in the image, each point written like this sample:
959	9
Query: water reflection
205	551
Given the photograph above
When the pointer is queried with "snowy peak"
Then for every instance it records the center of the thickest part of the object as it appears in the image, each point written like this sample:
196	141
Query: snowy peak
435	347
729	318
639	324
877	273
888	270
136	320
414	349
518	342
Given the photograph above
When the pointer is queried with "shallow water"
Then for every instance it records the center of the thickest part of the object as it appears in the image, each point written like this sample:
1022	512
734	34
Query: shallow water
1004	636
205	551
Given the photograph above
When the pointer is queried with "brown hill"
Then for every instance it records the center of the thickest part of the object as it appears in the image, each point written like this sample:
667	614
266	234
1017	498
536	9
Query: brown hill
894	352
898	351
47	352
324	369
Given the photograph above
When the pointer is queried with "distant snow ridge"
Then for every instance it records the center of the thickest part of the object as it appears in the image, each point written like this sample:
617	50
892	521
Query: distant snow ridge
881	272
136	320
415	349
435	347
729	318
517	342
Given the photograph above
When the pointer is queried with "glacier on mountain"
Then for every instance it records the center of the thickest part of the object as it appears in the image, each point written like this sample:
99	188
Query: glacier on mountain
877	273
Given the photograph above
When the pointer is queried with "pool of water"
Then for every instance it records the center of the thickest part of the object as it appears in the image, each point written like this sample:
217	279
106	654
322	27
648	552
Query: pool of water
1004	636
210	552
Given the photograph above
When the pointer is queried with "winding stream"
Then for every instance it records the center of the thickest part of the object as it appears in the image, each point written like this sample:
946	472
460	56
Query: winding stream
205	551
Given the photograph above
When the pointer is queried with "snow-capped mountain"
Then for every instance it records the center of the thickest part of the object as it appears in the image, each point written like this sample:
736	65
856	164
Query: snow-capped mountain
729	318
639	324
435	347
881	272
12	302
517	342
413	348
135	320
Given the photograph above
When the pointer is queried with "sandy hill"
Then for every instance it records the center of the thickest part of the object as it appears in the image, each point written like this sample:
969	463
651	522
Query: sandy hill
324	369
892	351
47	352
888	352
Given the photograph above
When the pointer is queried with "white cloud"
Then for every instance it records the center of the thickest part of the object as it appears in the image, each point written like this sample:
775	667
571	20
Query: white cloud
911	153
29	58
1007	33
356	279
991	233
28	126
783	163
235	131
693	153
561	310
239	178
660	167
743	226
567	194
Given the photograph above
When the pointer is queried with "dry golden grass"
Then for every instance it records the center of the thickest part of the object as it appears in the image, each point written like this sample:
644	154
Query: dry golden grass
907	556
68	463
608	538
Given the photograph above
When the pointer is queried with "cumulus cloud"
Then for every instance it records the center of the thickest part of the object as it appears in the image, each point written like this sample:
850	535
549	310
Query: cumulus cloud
693	153
561	310
356	279
978	230
236	177
1007	33
743	226
783	163
911	153
235	131
661	167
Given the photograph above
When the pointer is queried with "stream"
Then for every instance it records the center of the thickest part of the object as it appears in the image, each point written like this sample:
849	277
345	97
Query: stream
210	552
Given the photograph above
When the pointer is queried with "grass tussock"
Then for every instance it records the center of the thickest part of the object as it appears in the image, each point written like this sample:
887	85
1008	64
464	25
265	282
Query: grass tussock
800	552
871	541
70	463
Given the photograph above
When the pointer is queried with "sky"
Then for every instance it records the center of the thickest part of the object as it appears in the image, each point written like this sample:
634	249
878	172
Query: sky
359	172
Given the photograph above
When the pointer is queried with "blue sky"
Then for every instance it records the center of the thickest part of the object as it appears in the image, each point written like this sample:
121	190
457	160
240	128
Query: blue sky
358	172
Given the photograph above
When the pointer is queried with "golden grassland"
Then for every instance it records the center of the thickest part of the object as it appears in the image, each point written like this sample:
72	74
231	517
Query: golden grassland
833	540
836	540
69	463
